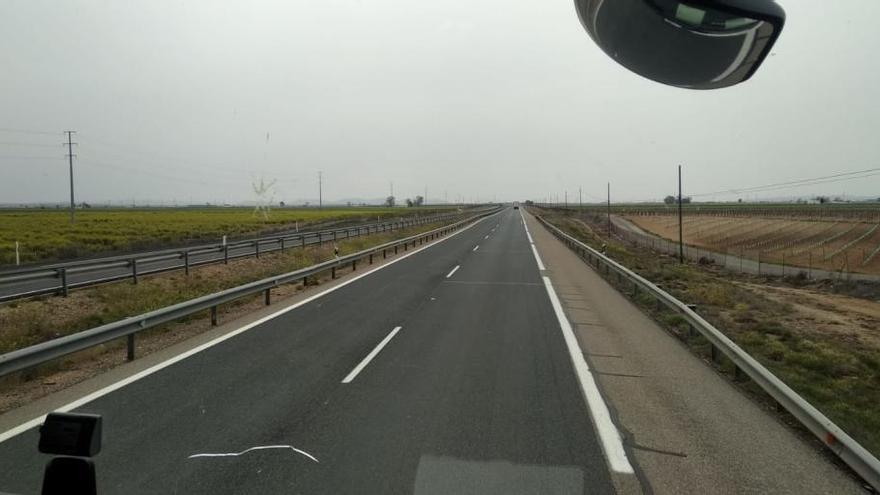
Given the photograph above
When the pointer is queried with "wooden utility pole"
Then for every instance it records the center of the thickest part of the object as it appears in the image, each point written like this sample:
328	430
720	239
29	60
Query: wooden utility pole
70	156
680	230
609	209
320	190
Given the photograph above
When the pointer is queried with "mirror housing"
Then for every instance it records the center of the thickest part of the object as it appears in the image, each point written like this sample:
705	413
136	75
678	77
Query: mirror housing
694	44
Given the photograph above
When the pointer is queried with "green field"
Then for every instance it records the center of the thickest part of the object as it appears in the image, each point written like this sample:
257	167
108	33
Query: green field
45	235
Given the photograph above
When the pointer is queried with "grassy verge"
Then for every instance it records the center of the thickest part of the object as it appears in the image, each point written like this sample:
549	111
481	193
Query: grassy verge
835	369
26	323
47	234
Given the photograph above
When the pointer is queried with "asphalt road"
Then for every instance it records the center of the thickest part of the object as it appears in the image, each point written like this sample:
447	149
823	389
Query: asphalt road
417	378
146	266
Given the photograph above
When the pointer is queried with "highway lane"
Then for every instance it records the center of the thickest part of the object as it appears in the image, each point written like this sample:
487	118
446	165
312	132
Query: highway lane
311	237
474	393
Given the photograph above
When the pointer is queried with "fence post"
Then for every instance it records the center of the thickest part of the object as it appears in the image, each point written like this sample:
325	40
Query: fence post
130	347
810	266
64	288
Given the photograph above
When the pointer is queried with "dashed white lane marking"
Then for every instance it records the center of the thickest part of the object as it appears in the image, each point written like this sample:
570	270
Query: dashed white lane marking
259	447
449	275
486	236
608	435
363	364
476	247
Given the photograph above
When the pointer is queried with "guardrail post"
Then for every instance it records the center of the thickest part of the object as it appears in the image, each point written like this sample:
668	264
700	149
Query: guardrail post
738	374
134	270
354	265
384	254
64	289
213	316
130	347
333	272
282	244
268	297
713	351
186	263
303	239
257	248
371	258
334	235
405	245
226	254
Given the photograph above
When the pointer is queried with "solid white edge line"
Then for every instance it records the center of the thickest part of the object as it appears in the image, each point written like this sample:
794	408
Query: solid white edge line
609	437
538	258
448	275
16	430
363	364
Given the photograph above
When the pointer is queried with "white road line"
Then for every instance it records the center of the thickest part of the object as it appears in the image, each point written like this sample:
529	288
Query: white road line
476	247
486	236
530	237
608	434
448	275
6	435
363	364
538	258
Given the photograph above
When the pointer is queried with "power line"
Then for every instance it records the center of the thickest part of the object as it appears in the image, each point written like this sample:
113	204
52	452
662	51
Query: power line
40	145
839	177
20	157
29	131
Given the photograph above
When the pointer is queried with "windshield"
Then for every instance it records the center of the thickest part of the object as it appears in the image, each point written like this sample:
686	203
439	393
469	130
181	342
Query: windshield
469	246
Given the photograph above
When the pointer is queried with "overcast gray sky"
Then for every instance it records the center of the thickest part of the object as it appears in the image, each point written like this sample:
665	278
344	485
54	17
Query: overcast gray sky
193	100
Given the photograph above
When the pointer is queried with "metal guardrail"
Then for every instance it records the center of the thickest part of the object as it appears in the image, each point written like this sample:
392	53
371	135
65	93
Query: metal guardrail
137	263
40	353
831	435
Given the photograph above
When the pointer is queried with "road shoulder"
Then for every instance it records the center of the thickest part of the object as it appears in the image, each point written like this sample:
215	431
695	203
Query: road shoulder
689	429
